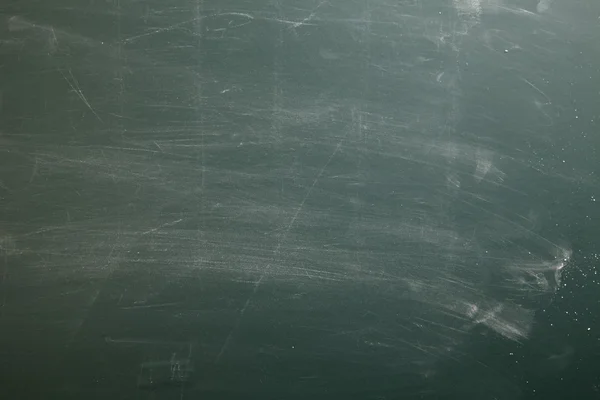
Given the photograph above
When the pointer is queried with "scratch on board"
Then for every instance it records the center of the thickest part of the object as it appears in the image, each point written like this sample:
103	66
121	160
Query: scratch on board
75	87
276	251
163	226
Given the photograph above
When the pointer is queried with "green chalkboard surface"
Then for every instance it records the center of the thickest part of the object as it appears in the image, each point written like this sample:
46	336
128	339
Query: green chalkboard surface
319	199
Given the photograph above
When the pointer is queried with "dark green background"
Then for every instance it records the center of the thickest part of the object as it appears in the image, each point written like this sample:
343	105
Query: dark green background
298	199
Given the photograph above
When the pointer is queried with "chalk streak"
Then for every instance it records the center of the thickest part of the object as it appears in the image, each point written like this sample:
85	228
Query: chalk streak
289	227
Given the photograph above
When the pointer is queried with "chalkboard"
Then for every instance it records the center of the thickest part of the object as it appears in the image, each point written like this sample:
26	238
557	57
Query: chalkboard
325	199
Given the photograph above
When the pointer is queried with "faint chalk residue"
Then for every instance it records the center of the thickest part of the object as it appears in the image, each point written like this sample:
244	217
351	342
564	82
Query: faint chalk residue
509	320
16	24
158	375
305	21
560	361
544	276
277	250
544	5
483	161
472	8
247	18
517	11
45	33
470	12
147	306
328	54
8	246
452	182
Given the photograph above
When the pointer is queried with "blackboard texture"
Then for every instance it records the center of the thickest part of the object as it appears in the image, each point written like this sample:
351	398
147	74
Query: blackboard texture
317	199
